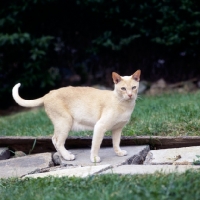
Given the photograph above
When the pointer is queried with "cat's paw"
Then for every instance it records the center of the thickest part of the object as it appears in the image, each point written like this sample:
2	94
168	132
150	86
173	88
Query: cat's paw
69	156
121	153
72	157
95	159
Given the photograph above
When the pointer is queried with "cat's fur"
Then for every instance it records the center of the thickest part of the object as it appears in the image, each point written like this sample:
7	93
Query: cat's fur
86	108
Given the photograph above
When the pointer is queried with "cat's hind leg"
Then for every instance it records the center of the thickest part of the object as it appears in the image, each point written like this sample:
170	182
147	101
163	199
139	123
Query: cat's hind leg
116	137
62	127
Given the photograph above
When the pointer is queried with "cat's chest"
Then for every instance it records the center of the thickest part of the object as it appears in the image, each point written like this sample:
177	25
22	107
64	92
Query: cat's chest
120	118
123	116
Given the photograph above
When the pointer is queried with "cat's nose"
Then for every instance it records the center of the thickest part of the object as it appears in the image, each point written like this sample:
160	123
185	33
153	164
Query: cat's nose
130	95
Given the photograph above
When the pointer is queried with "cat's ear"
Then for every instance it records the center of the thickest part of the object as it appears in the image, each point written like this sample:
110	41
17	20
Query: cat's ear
136	75
116	77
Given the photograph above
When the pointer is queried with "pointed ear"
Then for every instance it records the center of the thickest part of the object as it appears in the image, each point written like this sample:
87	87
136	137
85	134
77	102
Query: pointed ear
116	77
136	75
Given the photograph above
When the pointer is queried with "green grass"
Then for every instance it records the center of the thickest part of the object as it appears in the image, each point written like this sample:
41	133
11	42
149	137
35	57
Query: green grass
29	123
164	115
106	187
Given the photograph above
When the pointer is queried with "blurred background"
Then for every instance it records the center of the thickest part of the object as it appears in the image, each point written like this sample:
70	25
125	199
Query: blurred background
47	44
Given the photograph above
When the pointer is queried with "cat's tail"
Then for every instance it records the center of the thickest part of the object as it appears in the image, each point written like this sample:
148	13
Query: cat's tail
23	102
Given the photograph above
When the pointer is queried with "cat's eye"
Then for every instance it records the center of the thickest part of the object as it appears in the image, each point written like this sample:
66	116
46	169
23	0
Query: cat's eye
123	88
133	87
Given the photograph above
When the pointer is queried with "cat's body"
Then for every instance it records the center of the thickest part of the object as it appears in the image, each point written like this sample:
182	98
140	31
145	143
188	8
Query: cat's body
85	108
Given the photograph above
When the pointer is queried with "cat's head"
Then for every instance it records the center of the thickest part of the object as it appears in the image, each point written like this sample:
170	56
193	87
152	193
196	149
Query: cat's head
126	87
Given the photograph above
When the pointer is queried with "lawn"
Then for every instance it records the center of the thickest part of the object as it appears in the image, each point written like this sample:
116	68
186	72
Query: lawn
106	187
164	115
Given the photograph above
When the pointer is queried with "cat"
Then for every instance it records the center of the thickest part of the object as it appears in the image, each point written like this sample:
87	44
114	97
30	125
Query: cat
87	108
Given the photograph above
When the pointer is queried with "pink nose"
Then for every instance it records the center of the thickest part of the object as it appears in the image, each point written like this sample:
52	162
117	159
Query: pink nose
130	95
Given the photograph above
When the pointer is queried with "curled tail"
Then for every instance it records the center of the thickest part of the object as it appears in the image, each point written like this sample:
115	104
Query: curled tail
23	102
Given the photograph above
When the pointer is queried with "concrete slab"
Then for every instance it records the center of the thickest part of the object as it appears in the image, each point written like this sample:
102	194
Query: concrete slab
77	172
136	155
150	169
17	167
4	153
176	156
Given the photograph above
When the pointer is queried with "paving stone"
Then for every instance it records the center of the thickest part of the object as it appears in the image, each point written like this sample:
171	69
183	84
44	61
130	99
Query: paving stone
4	153
176	156
77	172
150	169
17	167
136	155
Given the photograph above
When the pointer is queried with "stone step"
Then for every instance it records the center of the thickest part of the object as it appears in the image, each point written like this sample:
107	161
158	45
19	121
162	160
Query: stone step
175	156
163	161
150	169
17	167
136	155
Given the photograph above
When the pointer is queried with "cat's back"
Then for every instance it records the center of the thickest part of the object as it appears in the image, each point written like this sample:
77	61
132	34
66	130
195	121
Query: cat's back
73	95
83	92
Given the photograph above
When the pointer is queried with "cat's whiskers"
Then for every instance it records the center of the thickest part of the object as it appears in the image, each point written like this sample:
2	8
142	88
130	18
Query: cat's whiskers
121	100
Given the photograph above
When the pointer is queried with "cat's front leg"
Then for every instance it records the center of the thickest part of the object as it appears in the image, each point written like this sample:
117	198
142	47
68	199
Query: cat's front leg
99	131
116	137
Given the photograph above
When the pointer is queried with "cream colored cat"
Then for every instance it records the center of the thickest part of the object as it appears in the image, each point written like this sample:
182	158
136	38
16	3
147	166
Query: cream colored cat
86	108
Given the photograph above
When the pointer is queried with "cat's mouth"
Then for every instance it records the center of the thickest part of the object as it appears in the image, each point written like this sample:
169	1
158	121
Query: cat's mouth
130	98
